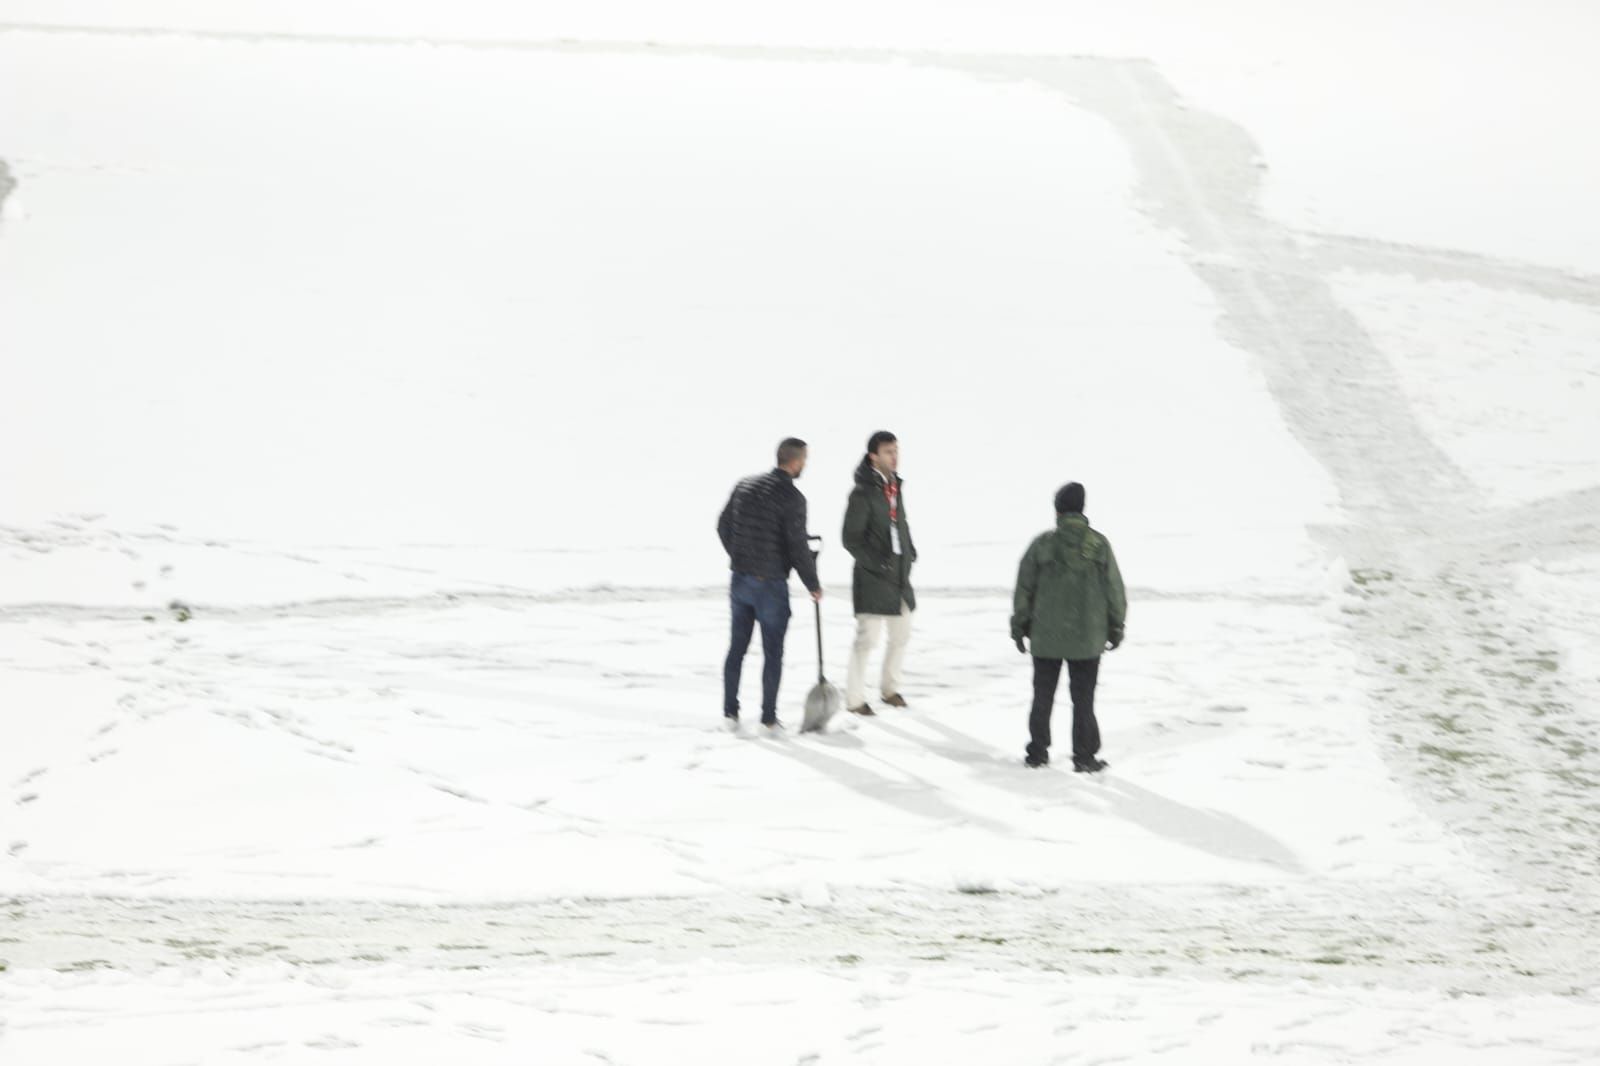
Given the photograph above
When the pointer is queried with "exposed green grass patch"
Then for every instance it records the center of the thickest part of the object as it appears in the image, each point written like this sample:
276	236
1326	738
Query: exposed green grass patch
85	966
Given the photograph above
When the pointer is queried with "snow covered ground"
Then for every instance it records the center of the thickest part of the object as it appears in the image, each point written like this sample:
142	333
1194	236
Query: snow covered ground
571	1012
373	379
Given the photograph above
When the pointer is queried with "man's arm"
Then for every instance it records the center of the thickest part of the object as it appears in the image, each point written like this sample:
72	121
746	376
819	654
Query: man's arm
910	545
725	523
857	513
854	537
799	545
1116	597
1022	599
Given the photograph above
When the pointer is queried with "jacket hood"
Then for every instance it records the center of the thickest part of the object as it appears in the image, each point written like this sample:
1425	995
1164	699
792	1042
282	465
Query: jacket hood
1073	536
867	474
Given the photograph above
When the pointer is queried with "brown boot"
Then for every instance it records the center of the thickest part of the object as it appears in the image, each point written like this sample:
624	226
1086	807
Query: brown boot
865	710
896	700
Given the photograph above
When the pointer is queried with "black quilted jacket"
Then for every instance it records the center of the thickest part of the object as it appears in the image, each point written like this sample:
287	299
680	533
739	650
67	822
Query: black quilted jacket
763	529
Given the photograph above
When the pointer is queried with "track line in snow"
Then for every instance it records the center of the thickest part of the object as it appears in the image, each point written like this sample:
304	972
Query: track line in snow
1445	264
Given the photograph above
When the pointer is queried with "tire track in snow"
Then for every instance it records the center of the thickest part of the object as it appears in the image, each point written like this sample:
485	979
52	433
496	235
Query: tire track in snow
1564	526
1441	264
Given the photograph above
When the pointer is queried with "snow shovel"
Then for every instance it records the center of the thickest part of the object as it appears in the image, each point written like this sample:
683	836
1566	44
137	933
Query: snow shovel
823	701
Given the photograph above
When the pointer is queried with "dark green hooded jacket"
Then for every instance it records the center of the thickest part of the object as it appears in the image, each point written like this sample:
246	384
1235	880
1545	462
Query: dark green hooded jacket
1069	599
882	579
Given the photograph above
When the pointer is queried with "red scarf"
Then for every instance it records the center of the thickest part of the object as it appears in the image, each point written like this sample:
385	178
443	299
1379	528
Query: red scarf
891	492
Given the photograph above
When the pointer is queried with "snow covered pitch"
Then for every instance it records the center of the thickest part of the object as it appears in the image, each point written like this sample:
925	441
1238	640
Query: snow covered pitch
371	377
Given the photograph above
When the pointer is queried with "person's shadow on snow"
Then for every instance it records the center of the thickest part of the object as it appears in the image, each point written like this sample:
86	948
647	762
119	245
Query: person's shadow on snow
915	796
1213	832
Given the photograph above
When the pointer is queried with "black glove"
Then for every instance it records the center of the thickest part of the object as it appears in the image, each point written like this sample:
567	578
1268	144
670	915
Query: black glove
1115	639
1023	648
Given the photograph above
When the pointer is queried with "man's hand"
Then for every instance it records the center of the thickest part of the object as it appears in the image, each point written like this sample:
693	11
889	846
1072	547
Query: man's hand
1023	648
1114	640
816	597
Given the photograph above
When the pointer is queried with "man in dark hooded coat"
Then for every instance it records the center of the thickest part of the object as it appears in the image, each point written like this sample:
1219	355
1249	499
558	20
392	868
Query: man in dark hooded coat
878	535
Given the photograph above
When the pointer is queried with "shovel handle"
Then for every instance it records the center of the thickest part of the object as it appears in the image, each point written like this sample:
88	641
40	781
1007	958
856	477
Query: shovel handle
818	608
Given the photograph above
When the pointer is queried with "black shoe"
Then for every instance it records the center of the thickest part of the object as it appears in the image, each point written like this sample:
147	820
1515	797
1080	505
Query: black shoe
1088	766
1036	763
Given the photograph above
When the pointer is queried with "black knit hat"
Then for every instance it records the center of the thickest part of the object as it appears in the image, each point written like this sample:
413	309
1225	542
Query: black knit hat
1070	499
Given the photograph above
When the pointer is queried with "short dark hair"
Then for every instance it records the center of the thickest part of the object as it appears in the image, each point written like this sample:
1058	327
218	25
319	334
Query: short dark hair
883	436
789	450
1070	499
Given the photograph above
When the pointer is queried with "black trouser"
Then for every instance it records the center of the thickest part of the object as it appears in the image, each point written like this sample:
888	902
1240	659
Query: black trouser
1082	675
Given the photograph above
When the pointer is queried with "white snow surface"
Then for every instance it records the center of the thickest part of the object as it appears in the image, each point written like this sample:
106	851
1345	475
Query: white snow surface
390	357
590	1013
1385	119
1508	383
499	752
373	376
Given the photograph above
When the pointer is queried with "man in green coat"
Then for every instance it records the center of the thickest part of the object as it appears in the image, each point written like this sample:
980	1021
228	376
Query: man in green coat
878	536
1071	604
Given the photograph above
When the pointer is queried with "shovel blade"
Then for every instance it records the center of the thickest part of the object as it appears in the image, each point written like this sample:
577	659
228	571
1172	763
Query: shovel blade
822	703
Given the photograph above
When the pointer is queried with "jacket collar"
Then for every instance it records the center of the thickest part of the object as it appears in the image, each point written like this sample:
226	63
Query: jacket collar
867	475
1067	521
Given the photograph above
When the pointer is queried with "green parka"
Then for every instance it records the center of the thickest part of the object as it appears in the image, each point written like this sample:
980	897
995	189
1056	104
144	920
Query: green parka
1069	599
882	579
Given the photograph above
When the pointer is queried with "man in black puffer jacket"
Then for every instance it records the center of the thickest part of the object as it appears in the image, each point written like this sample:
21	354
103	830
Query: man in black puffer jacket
763	529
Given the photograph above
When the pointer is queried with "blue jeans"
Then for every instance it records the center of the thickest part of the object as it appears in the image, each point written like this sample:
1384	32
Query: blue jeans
764	600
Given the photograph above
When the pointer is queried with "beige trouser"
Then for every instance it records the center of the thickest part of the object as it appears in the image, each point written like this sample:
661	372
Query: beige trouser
868	628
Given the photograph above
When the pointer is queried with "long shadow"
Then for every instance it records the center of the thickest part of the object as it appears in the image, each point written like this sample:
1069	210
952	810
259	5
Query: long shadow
1213	832
916	797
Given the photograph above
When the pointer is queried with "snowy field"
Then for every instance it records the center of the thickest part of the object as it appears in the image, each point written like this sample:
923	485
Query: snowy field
373	376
